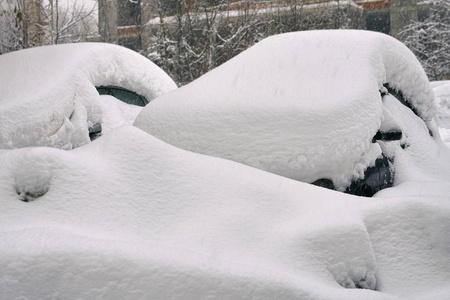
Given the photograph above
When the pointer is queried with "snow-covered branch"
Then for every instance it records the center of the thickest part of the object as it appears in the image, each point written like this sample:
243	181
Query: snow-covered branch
430	40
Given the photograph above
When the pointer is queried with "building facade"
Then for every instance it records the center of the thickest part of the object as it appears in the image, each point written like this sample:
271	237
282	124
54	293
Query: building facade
127	22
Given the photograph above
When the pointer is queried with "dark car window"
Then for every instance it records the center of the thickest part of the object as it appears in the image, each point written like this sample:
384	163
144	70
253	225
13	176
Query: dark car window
123	95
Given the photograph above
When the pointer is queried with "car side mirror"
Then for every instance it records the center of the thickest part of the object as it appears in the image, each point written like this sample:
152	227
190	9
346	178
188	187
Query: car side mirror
95	131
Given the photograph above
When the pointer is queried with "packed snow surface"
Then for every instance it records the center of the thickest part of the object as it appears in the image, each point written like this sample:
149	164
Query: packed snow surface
131	217
304	105
48	95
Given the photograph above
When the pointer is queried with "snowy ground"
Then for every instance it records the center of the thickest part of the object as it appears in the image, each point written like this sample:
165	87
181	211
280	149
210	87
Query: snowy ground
130	216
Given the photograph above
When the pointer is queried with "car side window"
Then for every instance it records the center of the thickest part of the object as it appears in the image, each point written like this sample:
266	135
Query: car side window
123	95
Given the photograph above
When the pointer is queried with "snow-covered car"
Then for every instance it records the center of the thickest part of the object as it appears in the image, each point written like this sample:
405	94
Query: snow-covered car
130	216
50	96
312	106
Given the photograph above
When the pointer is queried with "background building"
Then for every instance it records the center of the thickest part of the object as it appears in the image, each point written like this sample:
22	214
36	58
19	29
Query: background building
125	22
190	37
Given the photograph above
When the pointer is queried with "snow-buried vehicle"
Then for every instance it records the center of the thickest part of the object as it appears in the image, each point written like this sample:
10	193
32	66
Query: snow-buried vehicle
305	105
51	96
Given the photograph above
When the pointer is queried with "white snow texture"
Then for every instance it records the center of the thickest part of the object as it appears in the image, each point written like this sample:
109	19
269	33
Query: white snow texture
304	105
130	216
441	91
48	95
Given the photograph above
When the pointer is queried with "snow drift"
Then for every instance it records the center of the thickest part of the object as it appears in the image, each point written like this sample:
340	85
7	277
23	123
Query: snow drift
48	95
304	105
442	92
129	216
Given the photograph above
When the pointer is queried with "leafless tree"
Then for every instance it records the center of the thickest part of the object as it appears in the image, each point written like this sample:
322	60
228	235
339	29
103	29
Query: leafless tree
188	39
430	42
72	22
11	27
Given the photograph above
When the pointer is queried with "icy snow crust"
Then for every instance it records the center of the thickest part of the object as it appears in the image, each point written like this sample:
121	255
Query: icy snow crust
48	95
303	105
129	216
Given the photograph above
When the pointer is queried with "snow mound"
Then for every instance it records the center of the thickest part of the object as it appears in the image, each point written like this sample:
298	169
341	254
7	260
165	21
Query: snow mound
33	174
411	242
418	156
48	95
117	113
442	93
129	216
304	105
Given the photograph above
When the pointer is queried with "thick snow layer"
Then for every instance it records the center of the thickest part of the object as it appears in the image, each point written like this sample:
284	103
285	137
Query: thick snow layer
48	95
441	91
303	105
131	217
117	113
445	135
418	156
